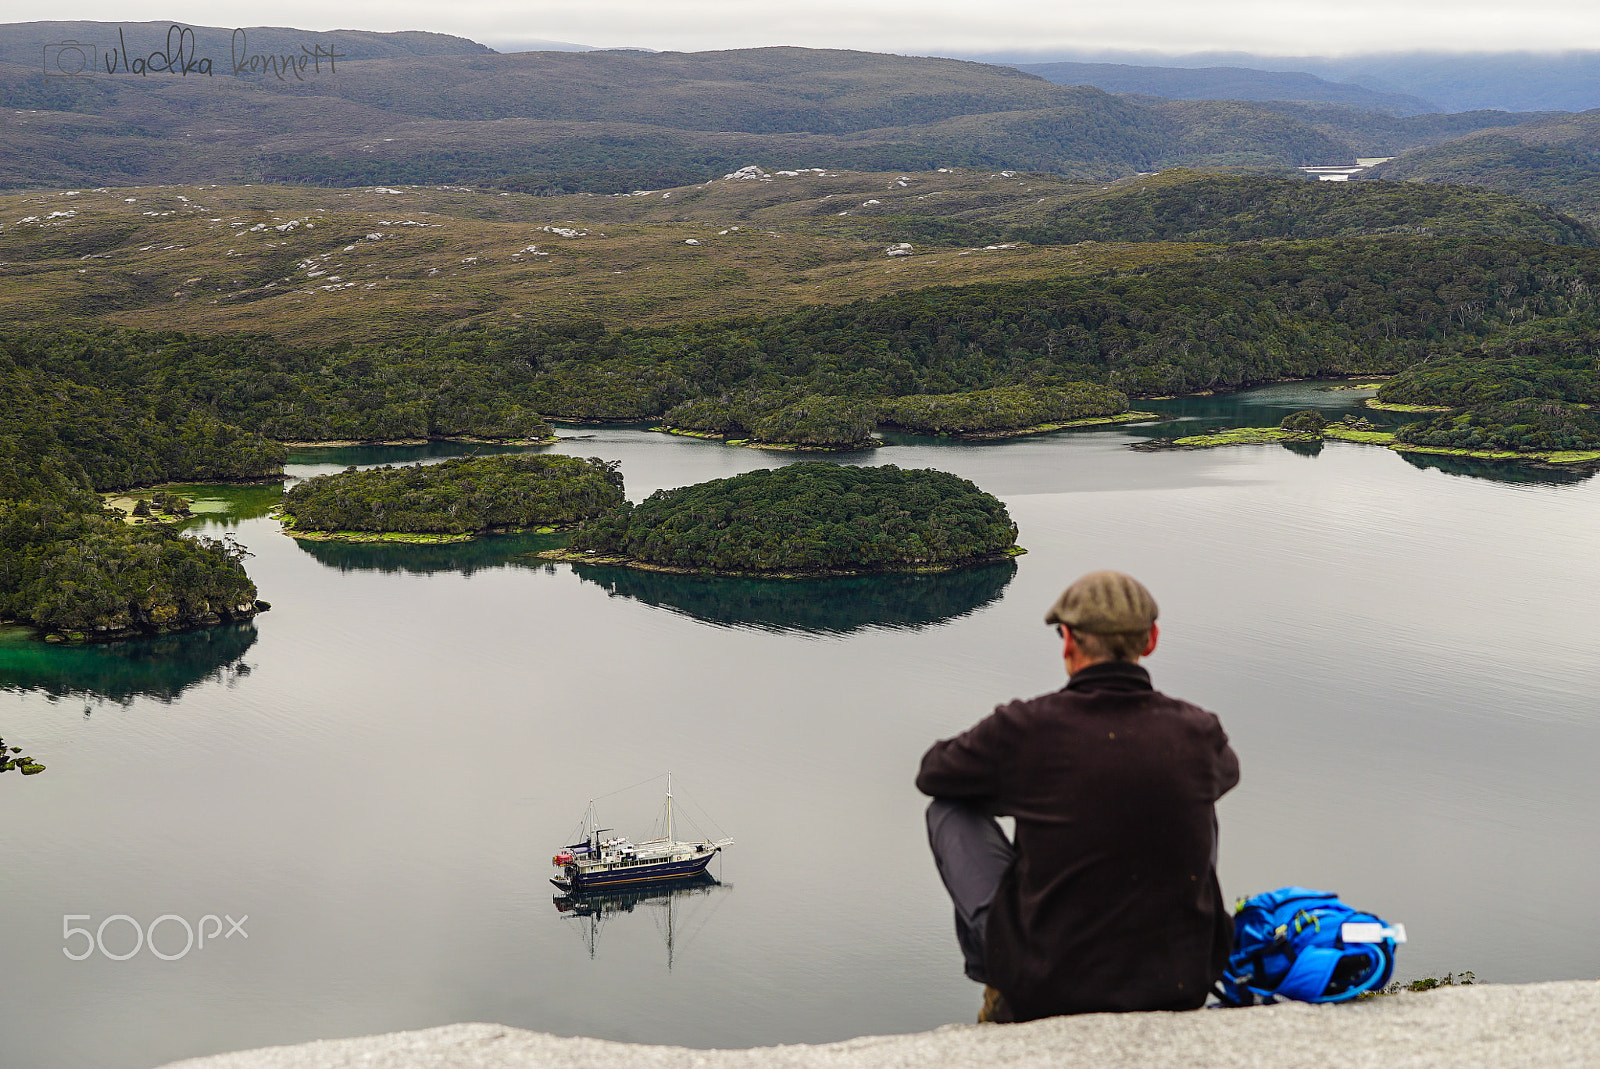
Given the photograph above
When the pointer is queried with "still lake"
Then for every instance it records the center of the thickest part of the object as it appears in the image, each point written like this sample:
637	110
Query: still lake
377	771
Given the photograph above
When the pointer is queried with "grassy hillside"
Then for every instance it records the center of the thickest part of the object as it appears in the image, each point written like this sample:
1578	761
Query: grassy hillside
309	263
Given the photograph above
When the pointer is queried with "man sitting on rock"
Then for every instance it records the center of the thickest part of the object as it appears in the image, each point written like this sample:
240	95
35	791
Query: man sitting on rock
1108	899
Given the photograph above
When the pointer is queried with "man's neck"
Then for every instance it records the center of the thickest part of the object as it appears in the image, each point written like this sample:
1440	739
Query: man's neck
1077	663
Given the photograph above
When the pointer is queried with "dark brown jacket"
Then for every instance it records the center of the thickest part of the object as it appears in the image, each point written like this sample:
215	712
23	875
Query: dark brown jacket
1112	902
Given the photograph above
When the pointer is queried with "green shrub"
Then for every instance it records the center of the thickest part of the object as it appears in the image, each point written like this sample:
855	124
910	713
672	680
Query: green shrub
1305	421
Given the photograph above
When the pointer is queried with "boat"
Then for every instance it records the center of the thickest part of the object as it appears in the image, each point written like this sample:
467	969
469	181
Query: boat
600	861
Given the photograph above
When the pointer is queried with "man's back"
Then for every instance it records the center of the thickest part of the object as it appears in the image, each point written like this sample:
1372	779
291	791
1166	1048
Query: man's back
1112	902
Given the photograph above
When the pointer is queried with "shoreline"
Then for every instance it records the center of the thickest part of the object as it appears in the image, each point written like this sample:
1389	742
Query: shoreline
91	638
465	439
789	447
1563	460
568	556
405	538
1130	416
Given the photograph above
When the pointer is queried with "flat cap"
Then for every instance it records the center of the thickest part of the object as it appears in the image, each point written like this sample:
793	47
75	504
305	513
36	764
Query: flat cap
1104	603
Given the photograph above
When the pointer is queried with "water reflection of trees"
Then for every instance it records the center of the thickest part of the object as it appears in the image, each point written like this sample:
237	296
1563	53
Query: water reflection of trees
831	606
464	558
162	667
1498	471
1312	448
679	909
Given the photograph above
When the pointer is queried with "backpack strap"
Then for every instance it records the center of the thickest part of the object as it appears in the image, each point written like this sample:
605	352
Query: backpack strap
1309	975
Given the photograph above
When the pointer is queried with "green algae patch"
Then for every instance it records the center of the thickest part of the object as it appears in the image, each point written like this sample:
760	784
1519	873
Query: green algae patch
1565	456
1065	425
782	447
1241	436
1361	435
1390	406
399	537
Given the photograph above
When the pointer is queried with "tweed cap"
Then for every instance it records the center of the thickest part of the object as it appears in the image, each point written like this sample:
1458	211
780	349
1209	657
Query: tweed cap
1104	603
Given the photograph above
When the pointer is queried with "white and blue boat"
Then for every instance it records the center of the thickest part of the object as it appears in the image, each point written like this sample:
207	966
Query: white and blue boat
601	860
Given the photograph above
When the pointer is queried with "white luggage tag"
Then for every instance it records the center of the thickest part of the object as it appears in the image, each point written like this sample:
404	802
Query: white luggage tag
1370	932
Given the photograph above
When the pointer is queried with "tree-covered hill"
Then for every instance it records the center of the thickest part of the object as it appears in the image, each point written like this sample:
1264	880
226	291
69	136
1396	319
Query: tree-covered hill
1551	365
471	495
212	386
1522	426
1555	161
809	518
1246	313
1194	206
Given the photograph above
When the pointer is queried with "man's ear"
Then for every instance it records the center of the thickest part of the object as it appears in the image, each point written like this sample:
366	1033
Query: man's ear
1150	647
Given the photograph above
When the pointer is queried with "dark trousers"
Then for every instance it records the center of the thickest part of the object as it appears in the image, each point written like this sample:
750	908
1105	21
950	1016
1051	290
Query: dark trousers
972	853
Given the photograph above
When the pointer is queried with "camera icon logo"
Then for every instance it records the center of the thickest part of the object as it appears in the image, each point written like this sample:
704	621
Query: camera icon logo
70	59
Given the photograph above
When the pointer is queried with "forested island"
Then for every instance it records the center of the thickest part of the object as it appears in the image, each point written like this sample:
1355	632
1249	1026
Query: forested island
453	500
802	520
811	422
1531	431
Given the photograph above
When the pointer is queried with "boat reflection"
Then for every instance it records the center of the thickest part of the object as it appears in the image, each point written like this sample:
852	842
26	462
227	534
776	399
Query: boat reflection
162	667
818	606
680	909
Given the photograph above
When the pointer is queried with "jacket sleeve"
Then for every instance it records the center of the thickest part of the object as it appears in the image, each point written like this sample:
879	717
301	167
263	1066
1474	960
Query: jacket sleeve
1227	763
973	764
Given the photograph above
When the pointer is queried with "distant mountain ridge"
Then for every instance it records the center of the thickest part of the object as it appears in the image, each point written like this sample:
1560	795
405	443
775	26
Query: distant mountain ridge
1454	81
428	108
1225	83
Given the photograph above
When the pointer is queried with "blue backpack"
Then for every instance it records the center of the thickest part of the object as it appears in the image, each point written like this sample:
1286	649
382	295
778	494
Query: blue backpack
1306	945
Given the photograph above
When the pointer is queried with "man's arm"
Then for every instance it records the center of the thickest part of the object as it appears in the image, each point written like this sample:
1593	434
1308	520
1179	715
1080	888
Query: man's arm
1227	764
971	765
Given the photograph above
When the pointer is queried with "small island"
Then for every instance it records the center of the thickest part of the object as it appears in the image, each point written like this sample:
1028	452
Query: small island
454	500
812	423
1529	431
802	520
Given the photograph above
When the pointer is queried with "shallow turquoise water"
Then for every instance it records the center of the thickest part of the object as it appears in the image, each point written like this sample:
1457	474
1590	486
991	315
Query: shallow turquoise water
377	770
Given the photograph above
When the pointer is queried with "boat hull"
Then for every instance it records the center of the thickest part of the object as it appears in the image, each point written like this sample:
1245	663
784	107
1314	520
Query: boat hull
638	874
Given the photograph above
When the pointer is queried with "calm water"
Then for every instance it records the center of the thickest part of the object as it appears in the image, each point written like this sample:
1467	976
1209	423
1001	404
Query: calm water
377	771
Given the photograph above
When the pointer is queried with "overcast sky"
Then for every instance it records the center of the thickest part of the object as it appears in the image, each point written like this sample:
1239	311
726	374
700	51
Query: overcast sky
939	27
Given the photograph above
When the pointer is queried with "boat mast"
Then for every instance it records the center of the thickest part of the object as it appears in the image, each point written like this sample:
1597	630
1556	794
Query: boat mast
672	839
